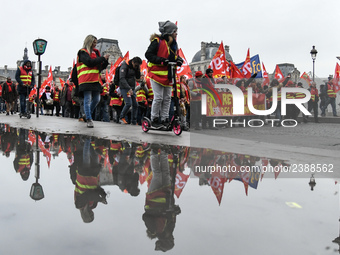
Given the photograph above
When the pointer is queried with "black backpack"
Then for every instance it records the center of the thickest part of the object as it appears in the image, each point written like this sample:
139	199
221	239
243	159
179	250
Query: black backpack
116	78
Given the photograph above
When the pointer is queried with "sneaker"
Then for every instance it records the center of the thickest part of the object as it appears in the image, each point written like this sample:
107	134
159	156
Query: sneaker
165	122
123	120
90	124
7	113
155	123
81	119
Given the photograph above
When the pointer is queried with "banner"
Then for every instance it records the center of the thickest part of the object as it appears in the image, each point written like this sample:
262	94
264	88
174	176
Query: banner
255	65
226	109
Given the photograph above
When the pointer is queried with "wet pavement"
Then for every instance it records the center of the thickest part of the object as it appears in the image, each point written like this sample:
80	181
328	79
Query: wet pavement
74	192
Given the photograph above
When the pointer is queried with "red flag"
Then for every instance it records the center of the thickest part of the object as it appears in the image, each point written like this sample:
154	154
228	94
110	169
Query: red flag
246	68
42	88
184	69
45	151
32	93
50	78
306	77
181	180
235	73
144	68
31	137
113	68
62	83
218	63
336	79
266	80
278	74
217	185
126	58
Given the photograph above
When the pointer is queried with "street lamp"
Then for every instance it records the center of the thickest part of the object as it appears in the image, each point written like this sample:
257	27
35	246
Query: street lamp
39	46
313	53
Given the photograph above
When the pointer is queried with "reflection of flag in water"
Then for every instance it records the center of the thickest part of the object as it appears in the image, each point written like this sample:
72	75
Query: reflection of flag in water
181	180
265	162
146	172
107	163
31	138
216	183
45	151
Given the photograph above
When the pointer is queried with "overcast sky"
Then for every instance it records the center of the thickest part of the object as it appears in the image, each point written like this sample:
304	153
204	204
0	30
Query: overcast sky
279	31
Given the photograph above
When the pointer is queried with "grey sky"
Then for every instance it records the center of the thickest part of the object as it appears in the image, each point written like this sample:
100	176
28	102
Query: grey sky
279	31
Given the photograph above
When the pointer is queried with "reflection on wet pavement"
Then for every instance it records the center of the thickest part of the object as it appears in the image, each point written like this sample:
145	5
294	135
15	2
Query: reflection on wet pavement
158	175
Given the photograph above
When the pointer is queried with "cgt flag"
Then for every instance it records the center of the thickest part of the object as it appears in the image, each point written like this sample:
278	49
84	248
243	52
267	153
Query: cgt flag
219	63
278	74
246	68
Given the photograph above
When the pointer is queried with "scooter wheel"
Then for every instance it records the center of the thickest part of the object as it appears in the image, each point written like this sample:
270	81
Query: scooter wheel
146	125
177	128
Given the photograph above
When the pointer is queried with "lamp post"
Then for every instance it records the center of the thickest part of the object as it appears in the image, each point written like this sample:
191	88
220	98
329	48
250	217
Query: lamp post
39	46
313	53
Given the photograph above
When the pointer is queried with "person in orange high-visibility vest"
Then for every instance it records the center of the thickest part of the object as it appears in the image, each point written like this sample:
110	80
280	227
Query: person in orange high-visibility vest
142	92
116	101
89	65
102	109
26	81
195	87
56	101
331	97
313	102
162	50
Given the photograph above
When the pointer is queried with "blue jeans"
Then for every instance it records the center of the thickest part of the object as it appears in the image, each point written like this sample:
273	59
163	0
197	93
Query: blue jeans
22	98
330	101
91	99
129	101
102	111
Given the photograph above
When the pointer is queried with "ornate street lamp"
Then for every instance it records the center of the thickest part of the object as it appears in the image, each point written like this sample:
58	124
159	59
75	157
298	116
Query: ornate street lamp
39	46
313	53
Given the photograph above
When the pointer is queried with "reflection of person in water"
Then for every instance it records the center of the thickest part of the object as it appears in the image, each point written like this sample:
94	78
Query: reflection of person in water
23	155
160	210
124	174
8	140
85	175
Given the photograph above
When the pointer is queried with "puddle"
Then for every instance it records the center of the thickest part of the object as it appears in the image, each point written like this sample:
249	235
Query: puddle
79	194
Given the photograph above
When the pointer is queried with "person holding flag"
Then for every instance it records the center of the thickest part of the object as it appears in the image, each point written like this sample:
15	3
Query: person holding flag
162	50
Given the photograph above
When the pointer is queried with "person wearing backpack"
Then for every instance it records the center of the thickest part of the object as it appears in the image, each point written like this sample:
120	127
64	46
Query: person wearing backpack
89	65
128	73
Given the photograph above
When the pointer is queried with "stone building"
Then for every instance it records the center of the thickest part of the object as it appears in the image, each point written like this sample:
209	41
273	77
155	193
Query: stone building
203	57
111	47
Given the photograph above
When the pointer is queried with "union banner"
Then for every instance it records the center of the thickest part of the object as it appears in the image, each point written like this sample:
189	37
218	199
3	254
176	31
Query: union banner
226	109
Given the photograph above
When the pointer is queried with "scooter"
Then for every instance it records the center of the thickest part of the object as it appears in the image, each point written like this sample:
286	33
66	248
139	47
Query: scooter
175	123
